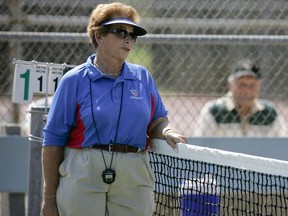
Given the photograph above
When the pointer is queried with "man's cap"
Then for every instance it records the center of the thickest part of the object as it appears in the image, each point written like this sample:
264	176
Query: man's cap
245	68
138	30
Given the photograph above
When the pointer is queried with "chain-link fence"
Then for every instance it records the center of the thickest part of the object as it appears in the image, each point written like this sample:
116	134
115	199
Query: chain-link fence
190	48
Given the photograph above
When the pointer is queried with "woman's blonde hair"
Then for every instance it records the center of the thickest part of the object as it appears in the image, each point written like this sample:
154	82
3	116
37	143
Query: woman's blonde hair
105	12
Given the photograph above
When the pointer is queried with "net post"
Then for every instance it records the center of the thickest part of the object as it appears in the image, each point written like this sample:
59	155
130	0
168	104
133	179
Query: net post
35	165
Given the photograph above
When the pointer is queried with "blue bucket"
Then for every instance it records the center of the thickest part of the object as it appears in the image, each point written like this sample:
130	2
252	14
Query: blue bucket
200	204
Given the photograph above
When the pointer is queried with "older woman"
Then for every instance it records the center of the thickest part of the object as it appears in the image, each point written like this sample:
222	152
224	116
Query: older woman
94	155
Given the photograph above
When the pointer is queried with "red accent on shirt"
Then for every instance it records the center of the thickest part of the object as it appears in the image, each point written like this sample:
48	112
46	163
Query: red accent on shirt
76	136
151	117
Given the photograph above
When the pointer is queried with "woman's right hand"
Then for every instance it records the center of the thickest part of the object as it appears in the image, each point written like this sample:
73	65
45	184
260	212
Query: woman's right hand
49	207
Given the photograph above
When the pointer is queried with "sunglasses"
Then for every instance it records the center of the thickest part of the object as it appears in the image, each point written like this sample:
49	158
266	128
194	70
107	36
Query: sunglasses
123	34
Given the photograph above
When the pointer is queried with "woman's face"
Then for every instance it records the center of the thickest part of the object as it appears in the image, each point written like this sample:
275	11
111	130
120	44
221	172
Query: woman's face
245	89
113	45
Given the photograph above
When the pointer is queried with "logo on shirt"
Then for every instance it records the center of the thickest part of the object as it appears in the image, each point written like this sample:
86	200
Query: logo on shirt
135	94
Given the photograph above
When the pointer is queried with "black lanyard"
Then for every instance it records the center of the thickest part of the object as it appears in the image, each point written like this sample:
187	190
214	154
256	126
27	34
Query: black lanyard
108	174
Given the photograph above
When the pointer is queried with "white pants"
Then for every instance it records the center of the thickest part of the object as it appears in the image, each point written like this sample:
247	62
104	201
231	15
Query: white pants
82	192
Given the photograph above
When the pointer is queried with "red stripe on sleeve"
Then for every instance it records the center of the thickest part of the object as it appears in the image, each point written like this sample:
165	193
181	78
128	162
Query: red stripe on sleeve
151	116
76	136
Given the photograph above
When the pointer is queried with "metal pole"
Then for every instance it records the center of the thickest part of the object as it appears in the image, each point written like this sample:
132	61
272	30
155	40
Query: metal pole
16	46
38	115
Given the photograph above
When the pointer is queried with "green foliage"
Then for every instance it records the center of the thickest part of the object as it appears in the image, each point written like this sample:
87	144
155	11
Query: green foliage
141	55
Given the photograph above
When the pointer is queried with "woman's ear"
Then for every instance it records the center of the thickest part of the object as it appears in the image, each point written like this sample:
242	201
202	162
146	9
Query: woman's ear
98	38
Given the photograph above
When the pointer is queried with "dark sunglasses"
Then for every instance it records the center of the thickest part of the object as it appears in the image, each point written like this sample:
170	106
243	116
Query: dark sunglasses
122	33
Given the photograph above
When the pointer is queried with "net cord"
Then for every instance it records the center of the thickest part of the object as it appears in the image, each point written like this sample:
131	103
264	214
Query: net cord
221	157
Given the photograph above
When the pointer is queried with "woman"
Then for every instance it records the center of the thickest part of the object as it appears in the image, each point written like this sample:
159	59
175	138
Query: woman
94	157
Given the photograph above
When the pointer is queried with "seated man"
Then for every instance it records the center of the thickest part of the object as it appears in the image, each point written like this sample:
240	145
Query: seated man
240	112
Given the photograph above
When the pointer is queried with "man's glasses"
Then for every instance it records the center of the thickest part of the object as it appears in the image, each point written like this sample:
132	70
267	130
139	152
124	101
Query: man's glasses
123	34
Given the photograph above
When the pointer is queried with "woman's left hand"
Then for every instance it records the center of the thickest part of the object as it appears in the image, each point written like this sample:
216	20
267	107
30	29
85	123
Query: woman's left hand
172	138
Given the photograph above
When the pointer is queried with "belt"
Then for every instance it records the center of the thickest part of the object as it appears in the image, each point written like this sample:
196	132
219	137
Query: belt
118	148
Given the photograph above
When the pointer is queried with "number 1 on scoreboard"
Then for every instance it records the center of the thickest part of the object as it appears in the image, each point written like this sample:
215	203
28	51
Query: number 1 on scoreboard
39	79
22	91
26	77
55	75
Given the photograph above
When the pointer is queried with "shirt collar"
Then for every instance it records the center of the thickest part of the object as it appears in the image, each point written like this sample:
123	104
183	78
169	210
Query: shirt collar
95	74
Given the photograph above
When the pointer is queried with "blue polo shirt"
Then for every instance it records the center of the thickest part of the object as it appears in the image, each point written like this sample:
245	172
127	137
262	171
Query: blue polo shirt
129	103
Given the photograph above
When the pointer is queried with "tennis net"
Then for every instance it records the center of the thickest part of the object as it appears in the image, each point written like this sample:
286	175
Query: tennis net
205	181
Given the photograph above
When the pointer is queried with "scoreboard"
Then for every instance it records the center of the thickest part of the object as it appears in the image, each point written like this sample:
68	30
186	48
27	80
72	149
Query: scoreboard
34	77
